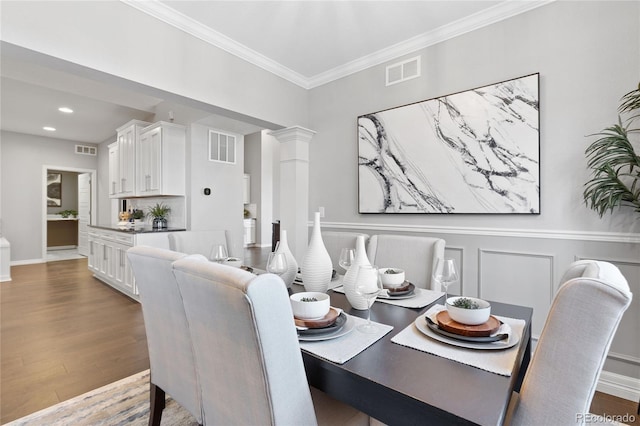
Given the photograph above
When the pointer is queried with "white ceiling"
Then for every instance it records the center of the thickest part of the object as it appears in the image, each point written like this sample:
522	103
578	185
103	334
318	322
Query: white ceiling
307	42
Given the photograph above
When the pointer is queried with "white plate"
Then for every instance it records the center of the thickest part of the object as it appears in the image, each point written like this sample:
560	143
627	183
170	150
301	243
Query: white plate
384	296
346	329
421	324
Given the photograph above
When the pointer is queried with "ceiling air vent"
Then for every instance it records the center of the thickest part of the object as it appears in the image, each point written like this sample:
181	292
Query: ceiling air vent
403	71
86	150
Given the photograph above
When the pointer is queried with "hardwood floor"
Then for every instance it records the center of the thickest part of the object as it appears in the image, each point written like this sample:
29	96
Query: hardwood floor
64	333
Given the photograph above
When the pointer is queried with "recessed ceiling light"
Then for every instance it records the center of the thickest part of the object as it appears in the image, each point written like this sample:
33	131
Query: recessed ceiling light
49	129
65	110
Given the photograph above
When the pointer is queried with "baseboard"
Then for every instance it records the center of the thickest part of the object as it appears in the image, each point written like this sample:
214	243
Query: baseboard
618	385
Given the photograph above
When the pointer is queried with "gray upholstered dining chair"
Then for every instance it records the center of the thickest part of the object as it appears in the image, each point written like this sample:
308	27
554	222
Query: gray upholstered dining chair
561	379
247	354
200	242
170	353
416	255
335	241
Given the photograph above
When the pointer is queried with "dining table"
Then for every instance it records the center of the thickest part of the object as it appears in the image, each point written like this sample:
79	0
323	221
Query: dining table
399	385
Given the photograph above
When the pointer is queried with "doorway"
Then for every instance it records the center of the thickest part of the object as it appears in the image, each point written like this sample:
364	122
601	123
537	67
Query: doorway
85	205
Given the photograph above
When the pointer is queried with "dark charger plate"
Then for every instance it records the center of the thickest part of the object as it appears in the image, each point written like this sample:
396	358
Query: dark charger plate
337	325
486	339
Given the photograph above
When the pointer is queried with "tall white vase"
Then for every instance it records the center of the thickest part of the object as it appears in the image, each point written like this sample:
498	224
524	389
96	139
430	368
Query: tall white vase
292	265
349	280
316	266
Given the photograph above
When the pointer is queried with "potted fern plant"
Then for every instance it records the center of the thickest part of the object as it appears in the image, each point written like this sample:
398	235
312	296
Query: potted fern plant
615	163
159	212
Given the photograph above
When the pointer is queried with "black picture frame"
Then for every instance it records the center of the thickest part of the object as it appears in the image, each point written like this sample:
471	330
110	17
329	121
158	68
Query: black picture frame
471	152
54	189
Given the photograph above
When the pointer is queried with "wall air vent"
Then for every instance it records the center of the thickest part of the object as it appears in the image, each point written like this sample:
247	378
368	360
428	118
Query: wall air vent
403	71
86	150
222	147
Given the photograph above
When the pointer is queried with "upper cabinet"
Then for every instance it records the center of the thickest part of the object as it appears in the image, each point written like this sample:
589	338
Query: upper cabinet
147	160
114	170
161	160
123	183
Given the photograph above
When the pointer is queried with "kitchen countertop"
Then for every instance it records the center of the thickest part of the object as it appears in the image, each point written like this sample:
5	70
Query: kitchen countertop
136	230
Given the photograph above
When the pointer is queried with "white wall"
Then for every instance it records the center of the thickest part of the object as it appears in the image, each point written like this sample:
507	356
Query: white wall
223	209
22	199
588	56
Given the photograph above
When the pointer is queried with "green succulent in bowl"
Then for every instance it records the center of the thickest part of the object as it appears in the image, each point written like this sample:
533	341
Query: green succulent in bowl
465	303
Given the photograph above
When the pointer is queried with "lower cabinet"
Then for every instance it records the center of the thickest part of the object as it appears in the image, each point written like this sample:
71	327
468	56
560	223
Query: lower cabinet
108	256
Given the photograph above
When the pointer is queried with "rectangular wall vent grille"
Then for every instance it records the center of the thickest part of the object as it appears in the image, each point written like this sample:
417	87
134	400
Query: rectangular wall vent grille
222	147
86	150
403	71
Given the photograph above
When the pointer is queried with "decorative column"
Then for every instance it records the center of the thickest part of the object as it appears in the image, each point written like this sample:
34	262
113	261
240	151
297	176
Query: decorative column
294	186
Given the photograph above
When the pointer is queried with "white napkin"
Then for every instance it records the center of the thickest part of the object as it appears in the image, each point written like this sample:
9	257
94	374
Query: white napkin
433	311
423	297
342	349
495	361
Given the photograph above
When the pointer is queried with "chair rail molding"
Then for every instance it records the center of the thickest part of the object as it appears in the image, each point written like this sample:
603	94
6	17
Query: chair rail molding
609	237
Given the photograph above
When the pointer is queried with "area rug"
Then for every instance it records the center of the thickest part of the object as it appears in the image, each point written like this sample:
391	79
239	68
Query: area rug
125	402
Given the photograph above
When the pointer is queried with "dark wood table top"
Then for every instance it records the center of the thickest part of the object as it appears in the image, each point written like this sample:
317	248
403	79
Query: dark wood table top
403	386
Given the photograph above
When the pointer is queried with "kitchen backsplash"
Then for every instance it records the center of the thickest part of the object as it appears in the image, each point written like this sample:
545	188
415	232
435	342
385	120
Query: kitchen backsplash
176	219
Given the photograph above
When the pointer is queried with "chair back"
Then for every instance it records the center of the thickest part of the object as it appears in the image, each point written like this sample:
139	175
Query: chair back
335	241
416	255
246	348
170	351
561	379
200	242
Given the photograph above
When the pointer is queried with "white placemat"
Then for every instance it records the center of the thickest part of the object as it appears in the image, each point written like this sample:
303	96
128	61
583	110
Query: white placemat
336	282
423	298
342	349
496	361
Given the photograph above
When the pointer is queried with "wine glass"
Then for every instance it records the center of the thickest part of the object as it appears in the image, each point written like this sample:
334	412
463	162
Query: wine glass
445	272
347	256
219	253
368	285
277	263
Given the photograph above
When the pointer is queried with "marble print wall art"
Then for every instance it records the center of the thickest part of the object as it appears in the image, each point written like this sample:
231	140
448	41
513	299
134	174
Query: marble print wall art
476	151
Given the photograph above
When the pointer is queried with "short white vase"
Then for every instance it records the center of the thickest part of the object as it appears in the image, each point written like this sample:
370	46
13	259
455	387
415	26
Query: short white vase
292	265
350	277
316	266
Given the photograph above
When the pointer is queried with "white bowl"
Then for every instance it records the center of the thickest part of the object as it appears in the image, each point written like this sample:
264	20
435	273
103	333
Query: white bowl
310	310
469	316
392	280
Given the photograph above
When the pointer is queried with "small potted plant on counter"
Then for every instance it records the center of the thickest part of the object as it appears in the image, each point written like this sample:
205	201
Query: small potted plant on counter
159	212
136	217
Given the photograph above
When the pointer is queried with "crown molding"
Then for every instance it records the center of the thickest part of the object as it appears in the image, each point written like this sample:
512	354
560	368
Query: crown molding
473	22
497	13
190	26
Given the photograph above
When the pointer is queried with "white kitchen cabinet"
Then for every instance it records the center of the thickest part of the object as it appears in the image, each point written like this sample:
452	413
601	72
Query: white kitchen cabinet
160	157
124	179
249	231
108	255
114	170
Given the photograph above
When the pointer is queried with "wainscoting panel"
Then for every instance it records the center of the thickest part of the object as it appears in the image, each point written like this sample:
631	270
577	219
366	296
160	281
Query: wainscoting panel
525	267
624	355
518	278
